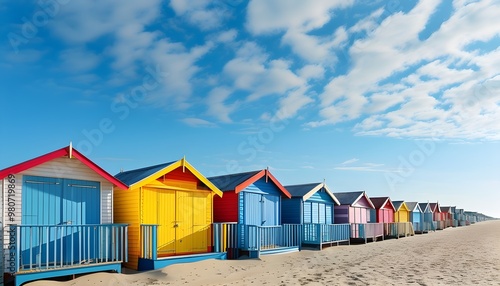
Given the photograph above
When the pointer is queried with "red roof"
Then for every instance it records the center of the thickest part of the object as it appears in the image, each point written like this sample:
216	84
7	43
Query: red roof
257	176
63	152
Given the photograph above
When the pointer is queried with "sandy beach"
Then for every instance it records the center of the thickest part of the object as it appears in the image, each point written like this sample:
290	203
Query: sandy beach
454	256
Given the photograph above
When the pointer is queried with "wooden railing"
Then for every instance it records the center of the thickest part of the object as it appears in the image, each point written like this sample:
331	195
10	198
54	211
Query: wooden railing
314	233
367	230
423	226
149	241
225	236
440	224
271	237
49	247
399	229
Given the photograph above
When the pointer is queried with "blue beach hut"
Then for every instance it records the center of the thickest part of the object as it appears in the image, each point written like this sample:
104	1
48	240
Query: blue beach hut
250	213
427	217
416	217
312	206
59	210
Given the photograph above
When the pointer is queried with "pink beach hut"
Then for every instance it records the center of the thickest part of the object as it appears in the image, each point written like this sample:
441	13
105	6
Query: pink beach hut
383	212
355	209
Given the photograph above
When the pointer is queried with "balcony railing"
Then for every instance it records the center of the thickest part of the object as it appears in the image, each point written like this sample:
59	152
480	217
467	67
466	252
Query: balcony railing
367	230
225	236
49	247
149	241
314	233
399	229
271	237
423	226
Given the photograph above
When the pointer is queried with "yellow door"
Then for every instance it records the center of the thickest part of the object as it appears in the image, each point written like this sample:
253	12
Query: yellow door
184	219
202	221
166	220
184	222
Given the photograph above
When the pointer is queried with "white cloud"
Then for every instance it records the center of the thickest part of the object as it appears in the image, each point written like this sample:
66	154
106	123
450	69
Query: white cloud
217	106
318	49
440	81
296	20
198	122
227	36
311	72
253	72
290	104
350	161
179	65
280	15
85	21
204	14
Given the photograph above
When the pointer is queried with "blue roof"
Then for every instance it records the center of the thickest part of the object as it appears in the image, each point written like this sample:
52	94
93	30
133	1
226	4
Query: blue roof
134	176
397	204
412	205
231	181
348	198
301	190
423	206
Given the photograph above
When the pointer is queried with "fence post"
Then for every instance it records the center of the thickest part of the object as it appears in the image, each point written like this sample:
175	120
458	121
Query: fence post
154	242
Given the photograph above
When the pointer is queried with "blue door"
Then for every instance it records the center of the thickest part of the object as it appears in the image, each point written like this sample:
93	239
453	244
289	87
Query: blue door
52	202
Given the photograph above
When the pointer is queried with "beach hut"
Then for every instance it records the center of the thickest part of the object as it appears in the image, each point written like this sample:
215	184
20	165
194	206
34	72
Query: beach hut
447	216
453	212
58	218
355	209
416	217
312	206
403	227
427	222
460	217
251	210
383	212
169	209
436	215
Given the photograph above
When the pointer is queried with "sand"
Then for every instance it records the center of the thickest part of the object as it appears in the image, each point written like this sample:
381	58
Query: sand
454	256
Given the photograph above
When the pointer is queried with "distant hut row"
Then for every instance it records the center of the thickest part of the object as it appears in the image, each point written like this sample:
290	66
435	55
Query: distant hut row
64	215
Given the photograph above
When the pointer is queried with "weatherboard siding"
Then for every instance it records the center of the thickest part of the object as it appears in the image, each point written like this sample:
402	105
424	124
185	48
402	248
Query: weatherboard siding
385	215
131	216
65	168
341	214
261	204
75	169
292	211
226	208
58	168
401	216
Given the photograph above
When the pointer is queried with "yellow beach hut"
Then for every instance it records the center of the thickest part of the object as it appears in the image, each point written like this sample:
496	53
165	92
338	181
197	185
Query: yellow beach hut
169	209
402	213
402	225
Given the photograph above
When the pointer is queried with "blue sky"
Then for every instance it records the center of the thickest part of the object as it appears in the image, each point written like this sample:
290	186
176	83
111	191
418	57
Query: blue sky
398	98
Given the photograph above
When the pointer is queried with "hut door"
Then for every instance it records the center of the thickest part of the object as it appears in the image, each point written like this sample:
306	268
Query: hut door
163	209
184	222
183	217
53	201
